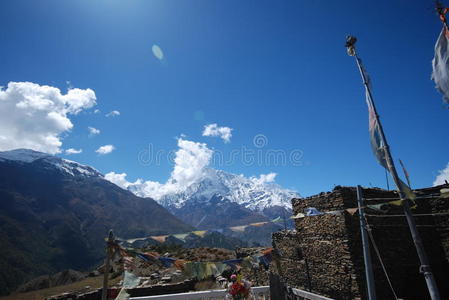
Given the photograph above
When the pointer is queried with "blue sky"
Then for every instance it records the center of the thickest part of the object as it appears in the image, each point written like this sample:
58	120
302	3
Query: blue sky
272	68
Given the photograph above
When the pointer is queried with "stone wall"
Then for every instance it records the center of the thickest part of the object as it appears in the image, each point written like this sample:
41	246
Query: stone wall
324	253
317	257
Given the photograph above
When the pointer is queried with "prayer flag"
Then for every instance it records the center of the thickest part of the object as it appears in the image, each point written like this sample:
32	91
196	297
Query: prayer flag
181	236
258	224
298	216
397	202
278	219
440	62
160	238
377	143
444	193
200	233
238	228
312	211
376	206
352	211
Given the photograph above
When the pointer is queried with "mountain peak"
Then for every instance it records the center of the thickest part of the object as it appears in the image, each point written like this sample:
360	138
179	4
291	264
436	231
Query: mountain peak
54	213
248	192
23	155
252	193
66	166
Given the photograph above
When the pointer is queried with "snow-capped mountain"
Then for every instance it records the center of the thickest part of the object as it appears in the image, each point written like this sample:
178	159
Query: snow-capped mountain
26	156
251	193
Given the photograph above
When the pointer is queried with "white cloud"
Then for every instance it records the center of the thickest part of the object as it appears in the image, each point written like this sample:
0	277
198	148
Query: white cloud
444	175
34	116
113	113
106	149
118	179
157	52
97	111
93	131
225	133
264	178
73	151
191	161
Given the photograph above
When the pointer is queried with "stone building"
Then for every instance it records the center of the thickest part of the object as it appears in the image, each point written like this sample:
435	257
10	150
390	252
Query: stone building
324	253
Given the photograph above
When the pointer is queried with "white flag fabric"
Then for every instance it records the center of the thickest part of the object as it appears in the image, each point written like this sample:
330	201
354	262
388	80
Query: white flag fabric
129	281
440	64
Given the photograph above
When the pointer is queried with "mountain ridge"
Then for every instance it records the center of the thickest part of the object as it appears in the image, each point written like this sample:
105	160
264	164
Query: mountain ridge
216	199
251	193
55	213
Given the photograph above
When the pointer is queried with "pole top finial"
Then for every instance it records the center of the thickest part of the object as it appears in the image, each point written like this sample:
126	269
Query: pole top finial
350	44
439	6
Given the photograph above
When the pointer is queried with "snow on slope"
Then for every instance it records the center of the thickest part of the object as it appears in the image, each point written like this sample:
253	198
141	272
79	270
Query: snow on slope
194	180
249	192
252	193
27	156
22	155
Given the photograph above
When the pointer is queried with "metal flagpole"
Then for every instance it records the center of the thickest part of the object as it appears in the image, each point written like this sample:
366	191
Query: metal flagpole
365	243
386	178
425	266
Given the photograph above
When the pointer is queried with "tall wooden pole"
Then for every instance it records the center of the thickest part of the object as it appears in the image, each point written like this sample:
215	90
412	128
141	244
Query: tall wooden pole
107	266
425	268
371	287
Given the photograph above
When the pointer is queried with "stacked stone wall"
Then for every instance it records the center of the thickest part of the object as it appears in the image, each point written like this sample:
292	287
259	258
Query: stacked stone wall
324	253
317	257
